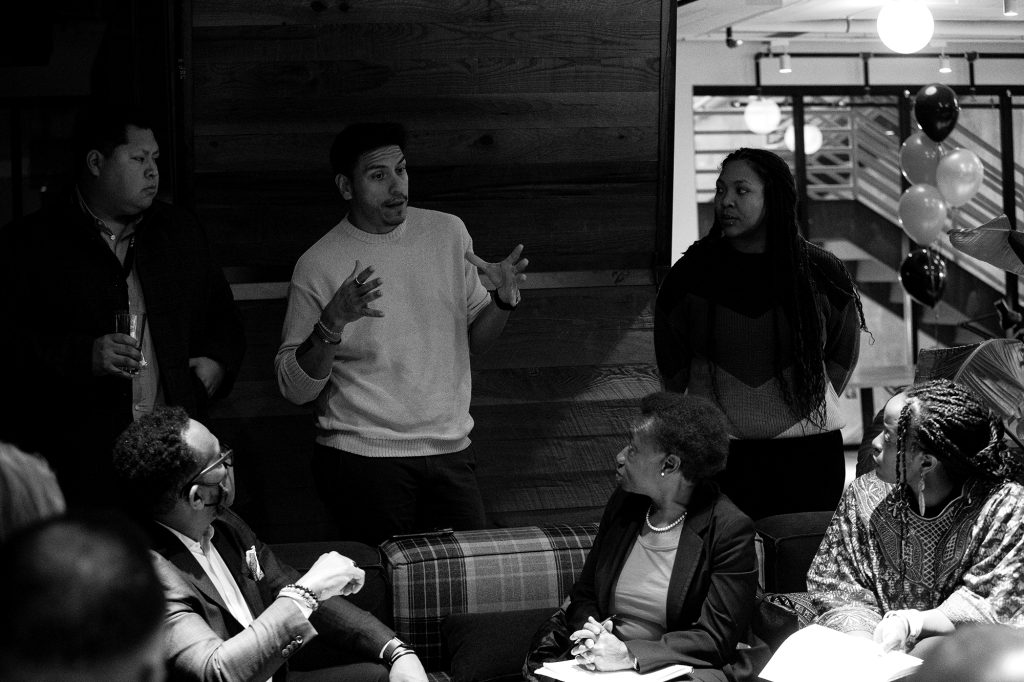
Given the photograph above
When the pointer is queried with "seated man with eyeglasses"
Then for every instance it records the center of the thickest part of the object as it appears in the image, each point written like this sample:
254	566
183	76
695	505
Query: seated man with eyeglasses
233	610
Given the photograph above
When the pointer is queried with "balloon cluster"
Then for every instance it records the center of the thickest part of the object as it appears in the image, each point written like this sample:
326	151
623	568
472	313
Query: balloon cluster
939	179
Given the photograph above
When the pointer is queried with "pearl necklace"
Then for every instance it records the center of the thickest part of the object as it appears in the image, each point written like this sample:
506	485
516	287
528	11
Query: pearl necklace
663	529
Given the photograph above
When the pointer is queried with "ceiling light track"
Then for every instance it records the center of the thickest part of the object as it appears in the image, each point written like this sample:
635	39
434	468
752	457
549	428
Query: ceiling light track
866	57
852	28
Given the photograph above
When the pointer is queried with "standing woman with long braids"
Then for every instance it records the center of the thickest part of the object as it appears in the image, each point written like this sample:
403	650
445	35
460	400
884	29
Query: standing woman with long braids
934	537
767	325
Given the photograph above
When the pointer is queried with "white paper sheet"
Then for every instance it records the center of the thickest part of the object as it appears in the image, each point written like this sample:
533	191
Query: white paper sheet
817	653
569	671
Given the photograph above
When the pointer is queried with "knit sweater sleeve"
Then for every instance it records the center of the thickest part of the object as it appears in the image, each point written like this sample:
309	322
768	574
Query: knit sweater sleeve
303	311
842	321
477	297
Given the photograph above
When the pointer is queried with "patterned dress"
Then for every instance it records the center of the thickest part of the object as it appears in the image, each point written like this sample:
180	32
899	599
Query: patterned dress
966	561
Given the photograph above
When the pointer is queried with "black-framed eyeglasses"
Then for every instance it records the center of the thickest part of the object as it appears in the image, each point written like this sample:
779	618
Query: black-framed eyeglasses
227	458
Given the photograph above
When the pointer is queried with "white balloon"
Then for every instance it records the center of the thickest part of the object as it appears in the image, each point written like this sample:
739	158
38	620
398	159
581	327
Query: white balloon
959	176
762	116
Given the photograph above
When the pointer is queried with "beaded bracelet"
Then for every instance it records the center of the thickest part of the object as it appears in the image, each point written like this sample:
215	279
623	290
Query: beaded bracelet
328	336
306	591
300	593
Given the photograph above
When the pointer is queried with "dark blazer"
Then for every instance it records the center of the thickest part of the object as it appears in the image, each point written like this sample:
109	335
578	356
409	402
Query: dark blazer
711	592
205	642
59	288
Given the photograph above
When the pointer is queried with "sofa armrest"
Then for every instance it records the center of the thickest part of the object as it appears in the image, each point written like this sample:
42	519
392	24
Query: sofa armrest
779	615
375	596
788	544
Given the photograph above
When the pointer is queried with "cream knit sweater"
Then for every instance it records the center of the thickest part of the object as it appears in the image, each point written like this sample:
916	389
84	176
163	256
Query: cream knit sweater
400	385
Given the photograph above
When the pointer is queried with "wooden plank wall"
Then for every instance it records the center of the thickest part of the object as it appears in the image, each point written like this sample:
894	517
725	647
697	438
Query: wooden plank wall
536	121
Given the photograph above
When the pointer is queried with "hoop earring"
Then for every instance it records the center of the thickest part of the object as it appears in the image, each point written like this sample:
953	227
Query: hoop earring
920	495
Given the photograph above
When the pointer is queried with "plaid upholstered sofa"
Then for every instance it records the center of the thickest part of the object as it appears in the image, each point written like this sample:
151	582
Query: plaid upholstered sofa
469	602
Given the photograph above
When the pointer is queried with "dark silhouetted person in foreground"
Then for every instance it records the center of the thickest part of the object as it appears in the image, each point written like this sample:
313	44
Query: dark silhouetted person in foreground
976	653
234	612
80	603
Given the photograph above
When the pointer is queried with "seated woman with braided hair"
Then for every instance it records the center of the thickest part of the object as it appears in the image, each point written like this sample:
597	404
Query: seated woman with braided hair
934	537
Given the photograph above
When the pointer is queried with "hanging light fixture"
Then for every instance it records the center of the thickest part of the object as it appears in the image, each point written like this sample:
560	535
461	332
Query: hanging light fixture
812	138
785	63
905	26
944	66
1011	8
762	116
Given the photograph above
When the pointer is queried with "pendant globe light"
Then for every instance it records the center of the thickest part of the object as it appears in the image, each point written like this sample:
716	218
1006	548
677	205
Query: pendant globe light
905	26
762	116
812	138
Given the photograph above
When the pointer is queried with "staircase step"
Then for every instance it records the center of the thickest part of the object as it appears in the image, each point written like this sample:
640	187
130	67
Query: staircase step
845	250
873	271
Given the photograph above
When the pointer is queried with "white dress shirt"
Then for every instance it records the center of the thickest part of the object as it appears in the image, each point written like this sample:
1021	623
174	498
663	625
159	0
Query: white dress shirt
215	568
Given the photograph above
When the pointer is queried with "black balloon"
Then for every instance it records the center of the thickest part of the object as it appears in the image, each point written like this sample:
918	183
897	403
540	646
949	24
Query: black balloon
923	275
936	109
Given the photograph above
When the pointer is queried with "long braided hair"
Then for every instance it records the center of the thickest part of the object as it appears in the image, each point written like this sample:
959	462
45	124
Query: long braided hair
948	422
793	285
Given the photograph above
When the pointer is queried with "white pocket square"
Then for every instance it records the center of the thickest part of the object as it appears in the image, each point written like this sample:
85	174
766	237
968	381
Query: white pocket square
253	562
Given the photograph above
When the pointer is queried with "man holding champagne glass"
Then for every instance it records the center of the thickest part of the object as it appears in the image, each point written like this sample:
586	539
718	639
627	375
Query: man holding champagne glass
74	275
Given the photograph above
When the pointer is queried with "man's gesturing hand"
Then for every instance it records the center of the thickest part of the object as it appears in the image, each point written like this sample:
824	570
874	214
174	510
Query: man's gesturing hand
505	276
352	299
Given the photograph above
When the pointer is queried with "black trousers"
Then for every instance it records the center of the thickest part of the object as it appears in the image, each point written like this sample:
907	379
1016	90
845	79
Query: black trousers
785	475
373	498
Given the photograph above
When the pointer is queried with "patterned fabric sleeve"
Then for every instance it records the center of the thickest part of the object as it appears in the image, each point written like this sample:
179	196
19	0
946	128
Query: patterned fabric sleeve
839	578
992	590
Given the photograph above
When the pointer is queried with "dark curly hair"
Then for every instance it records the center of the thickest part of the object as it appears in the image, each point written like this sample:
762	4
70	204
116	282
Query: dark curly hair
359	138
793	283
153	459
690	427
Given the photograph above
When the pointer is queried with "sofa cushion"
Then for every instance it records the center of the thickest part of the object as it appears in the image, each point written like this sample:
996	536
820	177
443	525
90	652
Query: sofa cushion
485	647
434	575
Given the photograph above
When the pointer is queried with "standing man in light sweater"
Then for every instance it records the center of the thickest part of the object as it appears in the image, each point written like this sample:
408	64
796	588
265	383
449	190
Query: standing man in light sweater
383	313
